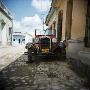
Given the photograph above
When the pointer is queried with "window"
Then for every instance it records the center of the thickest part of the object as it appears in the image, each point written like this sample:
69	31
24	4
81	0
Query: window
13	39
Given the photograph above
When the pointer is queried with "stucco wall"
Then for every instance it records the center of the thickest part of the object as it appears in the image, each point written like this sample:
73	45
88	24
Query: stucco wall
0	32
6	19
17	38
78	19
4	33
74	47
76	44
62	6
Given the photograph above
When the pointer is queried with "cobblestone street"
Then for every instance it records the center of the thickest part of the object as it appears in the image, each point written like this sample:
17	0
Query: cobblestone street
44	44
40	75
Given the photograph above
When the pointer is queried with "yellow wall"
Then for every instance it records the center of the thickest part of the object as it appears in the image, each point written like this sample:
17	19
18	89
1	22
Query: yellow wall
62	6
78	19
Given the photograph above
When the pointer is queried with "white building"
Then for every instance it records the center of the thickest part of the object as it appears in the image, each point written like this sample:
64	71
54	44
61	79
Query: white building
6	25
18	38
28	38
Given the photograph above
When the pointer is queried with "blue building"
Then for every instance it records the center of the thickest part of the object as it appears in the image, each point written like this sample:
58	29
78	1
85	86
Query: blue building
18	38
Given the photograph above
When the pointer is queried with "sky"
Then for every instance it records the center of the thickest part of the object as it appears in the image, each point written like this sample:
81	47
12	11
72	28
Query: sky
28	15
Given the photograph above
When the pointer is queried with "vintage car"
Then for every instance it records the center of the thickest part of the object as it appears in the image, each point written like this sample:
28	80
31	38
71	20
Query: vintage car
44	45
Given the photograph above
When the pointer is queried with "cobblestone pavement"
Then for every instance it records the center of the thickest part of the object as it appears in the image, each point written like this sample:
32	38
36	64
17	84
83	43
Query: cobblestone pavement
10	53
39	75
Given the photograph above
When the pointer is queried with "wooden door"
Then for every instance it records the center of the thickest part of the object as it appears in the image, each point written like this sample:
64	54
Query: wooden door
87	31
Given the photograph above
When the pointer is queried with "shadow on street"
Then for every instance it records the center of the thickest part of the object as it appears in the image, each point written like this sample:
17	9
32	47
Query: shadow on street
15	73
43	74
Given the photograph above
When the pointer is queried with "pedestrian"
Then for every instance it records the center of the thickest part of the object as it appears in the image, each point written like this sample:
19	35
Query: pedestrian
59	50
64	49
30	50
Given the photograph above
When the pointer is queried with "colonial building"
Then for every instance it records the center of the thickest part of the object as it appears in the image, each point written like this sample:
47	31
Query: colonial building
28	37
18	38
6	25
70	19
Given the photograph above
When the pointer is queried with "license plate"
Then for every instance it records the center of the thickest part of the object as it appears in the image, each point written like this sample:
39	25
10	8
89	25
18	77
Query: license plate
45	50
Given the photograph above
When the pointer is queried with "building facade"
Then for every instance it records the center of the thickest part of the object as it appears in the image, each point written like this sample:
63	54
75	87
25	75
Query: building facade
70	19
6	25
18	38
28	38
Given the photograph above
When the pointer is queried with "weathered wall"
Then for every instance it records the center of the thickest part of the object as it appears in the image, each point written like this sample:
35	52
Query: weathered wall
17	38
78	19
0	33
62	6
76	44
68	19
74	47
4	33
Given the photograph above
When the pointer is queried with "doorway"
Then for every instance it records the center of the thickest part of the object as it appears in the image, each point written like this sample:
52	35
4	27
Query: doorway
59	26
19	41
87	31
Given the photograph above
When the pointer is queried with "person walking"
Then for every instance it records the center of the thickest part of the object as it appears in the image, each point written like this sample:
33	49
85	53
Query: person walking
64	49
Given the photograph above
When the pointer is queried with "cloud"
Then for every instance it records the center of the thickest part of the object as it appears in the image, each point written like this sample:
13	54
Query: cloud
34	21
41	5
28	24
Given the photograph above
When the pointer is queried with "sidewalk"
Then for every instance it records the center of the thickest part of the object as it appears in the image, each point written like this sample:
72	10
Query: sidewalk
9	54
85	57
81	63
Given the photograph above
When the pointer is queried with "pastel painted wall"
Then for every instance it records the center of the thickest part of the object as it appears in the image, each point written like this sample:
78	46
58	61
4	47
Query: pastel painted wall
28	38
78	19
60	6
18	39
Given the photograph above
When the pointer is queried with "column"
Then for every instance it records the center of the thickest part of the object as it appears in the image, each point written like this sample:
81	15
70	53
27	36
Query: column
53	29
